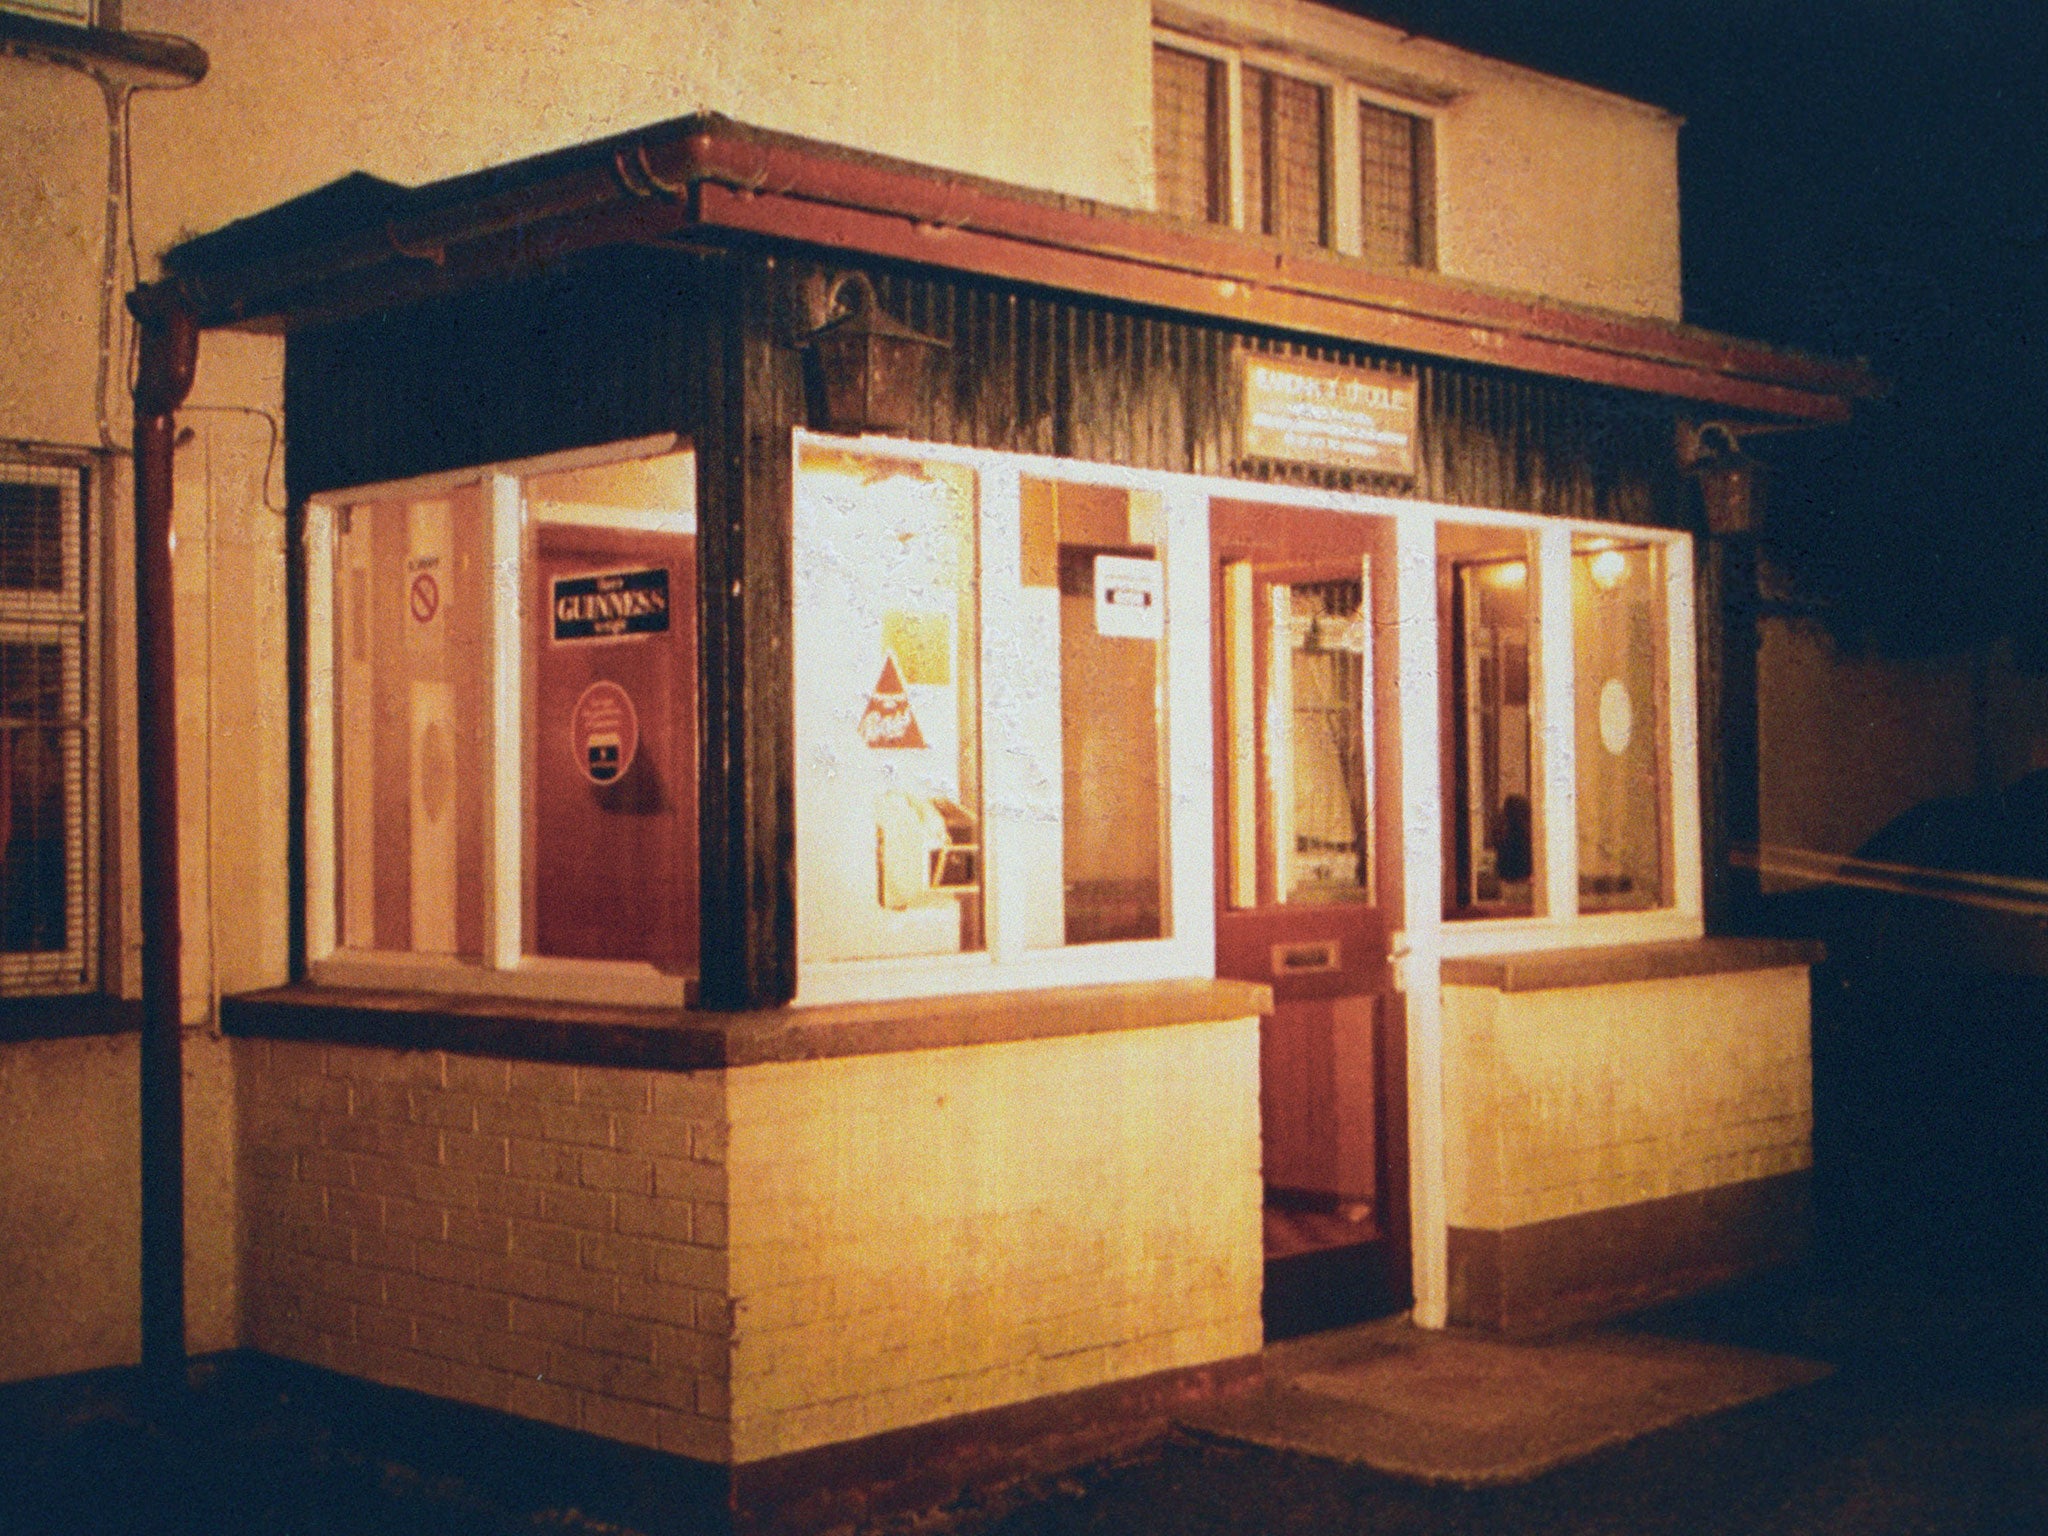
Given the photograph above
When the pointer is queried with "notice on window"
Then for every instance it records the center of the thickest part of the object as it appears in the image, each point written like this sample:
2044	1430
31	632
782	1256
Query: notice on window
1127	598
610	605
1303	412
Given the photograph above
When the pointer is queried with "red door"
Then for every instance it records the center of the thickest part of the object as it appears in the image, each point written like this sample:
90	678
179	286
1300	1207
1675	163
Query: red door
1304	713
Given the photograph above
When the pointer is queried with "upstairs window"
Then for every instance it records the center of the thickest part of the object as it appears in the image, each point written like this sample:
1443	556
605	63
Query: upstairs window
1284	157
48	746
1279	148
1396	187
1190	140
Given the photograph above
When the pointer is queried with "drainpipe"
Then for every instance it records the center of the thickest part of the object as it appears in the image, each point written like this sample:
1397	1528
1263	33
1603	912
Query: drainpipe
169	352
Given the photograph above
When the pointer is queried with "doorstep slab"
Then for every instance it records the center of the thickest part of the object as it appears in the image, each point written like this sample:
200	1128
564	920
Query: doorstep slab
1467	1410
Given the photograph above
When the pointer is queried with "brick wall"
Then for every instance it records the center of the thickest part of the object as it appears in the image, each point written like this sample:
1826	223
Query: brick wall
545	1240
891	1239
935	1232
1580	1099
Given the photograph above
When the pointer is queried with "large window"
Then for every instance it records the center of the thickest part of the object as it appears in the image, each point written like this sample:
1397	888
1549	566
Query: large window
995	784
503	758
48	745
1564	690
1279	148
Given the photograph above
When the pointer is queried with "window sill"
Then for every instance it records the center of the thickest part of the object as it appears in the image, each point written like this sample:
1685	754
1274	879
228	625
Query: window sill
686	1040
68	1016
1556	969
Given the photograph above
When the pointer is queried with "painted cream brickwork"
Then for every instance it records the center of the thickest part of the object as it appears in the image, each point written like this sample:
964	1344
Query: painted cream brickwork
545	1240
1581	1099
890	1239
935	1232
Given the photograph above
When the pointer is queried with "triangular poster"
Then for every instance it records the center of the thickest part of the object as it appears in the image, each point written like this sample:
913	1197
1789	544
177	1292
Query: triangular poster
887	721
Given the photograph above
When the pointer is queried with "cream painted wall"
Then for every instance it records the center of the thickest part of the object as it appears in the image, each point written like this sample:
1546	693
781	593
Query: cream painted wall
928	1233
1543	185
70	1207
1557	1103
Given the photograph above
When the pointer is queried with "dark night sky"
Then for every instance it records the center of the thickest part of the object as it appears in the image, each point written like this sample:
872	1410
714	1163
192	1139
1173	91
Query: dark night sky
1864	178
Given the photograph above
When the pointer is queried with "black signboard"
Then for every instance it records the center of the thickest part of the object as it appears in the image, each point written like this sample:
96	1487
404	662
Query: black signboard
606	606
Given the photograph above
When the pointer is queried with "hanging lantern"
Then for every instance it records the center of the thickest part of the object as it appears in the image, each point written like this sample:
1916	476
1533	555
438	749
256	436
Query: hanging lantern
874	370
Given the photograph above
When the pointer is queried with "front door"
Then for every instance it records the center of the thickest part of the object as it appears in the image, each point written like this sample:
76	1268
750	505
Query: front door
1303	716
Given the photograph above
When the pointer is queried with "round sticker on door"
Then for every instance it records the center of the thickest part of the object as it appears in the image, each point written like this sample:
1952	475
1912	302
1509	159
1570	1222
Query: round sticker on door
605	732
1617	717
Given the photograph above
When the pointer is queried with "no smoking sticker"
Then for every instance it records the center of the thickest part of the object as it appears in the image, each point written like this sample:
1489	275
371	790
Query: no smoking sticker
425	597
604	729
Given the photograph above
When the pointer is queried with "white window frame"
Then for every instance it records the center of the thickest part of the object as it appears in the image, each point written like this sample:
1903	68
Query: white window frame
71	619
1006	961
503	969
1189	950
1340	127
1557	922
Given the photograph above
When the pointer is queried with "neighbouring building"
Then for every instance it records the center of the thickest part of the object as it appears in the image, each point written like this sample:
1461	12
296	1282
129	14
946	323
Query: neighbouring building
840	727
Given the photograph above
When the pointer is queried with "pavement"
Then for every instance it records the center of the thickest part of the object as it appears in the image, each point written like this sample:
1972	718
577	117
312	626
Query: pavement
1471	1411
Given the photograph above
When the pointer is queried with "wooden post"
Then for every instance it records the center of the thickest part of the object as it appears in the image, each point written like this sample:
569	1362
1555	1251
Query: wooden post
753	398
169	353
1730	776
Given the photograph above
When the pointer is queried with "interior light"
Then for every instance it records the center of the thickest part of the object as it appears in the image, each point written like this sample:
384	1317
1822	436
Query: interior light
1609	566
1507	573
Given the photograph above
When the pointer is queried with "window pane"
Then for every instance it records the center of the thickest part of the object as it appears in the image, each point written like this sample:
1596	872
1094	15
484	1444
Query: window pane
412	677
1104	548
1616	642
611	761
1187	138
1490	821
41	765
888	706
1285	185
1319	768
32	525
1389	222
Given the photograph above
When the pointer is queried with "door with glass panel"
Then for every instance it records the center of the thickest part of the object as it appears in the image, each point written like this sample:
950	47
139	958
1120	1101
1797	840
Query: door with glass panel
1304	715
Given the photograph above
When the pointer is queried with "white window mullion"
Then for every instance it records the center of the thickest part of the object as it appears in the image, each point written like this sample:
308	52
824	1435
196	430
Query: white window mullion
1242	733
1233	138
1190	756
1344	170
505	906
319	725
1418	945
1556	731
1006	824
1682	722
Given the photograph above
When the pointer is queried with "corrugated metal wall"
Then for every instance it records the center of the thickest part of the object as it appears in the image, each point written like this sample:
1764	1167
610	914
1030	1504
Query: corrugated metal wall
612	347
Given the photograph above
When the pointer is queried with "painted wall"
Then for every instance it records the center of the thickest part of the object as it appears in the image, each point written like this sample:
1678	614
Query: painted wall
928	1233
732	1265
1558	1103
543	1240
70	1207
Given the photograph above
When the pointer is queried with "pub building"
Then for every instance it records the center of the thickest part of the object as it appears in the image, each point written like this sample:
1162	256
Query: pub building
955	805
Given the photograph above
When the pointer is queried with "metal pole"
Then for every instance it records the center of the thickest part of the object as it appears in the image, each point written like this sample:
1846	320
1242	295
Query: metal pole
169	352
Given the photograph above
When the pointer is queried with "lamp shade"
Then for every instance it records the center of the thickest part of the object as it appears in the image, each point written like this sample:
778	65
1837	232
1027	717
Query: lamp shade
873	370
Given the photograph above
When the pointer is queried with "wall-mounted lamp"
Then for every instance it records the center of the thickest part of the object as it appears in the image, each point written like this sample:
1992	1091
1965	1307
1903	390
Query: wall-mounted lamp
875	370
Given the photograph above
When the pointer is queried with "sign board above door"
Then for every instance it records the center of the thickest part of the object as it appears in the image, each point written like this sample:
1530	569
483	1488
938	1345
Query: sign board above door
1295	411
